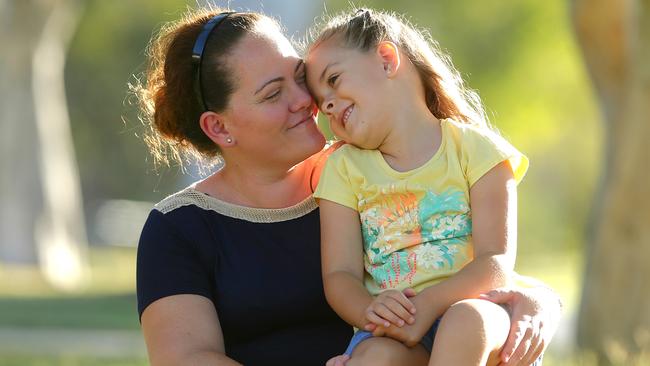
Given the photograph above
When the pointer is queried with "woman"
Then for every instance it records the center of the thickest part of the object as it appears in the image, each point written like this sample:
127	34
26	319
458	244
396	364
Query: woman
229	268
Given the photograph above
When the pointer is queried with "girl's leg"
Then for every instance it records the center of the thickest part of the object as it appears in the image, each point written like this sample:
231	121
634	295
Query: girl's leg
384	351
471	332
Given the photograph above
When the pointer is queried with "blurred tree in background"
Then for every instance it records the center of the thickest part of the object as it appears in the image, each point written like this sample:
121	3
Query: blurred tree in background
615	309
42	215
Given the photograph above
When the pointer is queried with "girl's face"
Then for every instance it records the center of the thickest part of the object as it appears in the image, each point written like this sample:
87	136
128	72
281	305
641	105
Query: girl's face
271	115
350	87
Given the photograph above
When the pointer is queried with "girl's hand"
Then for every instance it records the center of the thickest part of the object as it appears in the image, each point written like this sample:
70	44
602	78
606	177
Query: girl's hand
410	334
339	360
390	306
535	315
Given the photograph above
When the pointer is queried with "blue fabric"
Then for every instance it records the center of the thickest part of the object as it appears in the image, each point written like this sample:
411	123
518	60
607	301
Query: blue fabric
426	341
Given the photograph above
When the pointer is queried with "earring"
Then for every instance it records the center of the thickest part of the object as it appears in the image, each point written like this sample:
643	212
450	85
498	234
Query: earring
229	140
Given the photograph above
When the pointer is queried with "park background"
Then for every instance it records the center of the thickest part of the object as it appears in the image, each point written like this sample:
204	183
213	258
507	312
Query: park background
77	181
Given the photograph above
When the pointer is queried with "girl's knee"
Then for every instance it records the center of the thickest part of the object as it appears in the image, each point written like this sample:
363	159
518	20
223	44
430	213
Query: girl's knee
470	332
480	317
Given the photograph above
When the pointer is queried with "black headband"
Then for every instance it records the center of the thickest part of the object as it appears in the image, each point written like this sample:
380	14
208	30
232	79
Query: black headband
199	47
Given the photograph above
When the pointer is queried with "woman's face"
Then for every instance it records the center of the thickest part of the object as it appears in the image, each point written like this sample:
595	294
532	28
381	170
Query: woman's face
271	115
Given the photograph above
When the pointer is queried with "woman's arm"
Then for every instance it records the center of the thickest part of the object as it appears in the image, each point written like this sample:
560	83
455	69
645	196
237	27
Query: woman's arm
184	330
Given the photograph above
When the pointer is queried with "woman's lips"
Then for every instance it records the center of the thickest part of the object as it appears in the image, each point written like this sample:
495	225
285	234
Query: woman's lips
307	119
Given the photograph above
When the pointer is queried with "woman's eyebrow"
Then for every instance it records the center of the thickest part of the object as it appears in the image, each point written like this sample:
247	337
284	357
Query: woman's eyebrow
279	78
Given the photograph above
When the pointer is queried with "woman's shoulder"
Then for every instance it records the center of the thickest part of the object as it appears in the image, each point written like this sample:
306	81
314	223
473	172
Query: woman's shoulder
172	214
188	196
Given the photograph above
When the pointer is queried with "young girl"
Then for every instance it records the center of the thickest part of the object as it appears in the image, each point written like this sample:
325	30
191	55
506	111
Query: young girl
418	210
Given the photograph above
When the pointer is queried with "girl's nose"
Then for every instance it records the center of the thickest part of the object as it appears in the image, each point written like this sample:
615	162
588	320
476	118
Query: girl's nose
327	106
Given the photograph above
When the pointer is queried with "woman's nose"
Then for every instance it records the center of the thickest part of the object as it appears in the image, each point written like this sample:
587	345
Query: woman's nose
302	99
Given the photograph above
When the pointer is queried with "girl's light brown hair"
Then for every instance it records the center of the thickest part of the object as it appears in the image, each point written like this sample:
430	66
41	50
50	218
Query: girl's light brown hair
445	92
170	107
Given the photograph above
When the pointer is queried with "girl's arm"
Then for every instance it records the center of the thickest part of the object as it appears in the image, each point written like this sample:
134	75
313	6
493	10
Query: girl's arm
342	260
184	330
493	201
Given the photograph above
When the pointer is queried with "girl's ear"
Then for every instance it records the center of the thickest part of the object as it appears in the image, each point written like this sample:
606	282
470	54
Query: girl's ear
390	57
214	127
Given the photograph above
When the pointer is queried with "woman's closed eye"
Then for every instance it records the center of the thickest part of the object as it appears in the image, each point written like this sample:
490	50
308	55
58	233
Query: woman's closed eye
273	95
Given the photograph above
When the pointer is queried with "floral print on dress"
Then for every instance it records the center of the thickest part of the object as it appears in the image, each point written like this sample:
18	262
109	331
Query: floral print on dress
406	234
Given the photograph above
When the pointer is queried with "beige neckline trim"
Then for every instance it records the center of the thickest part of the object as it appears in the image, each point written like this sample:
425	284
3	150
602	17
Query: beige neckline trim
191	196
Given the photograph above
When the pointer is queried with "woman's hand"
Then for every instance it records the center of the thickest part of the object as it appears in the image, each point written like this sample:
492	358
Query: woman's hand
535	314
391	306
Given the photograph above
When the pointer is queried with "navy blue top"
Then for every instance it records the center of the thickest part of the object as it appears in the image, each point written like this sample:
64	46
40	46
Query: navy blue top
260	267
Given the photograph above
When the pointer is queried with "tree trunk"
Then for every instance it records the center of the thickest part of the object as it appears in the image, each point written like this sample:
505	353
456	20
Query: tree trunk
614	318
49	223
20	189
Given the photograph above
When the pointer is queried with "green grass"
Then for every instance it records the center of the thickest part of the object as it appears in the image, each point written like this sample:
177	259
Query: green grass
107	301
24	360
76	312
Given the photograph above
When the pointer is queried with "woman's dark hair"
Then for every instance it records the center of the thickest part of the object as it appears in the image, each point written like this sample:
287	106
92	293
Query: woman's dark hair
170	106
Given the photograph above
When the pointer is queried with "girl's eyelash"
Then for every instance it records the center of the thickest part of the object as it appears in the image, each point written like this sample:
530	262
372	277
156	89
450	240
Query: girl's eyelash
332	79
